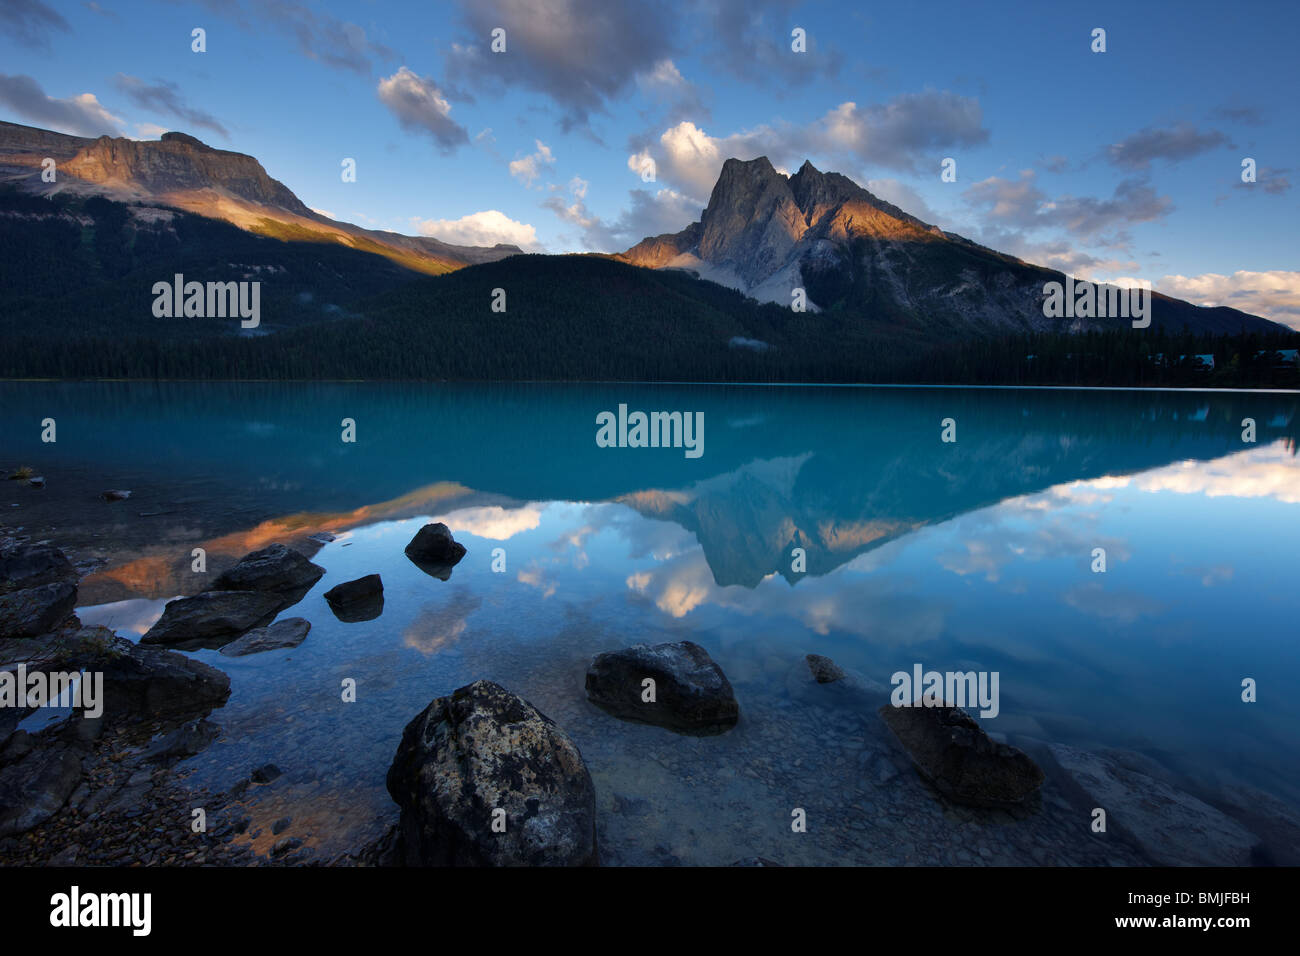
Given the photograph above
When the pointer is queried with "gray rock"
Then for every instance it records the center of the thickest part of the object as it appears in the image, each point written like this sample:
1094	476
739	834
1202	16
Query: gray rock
115	495
483	749
36	610
692	695
213	618
185	741
276	568
824	670
289	632
1275	822
950	750
842	686
36	787
1172	827
26	566
138	681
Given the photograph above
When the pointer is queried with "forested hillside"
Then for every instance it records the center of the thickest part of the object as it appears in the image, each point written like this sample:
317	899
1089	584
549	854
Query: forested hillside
77	277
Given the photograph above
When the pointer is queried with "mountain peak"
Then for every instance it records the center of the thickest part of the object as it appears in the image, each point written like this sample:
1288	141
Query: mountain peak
184	138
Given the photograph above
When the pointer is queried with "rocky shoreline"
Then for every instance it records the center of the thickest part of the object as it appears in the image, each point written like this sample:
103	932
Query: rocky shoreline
481	777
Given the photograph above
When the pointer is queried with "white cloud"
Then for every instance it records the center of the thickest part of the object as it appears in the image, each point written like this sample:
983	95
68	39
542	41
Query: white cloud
485	228
527	170
1274	295
897	134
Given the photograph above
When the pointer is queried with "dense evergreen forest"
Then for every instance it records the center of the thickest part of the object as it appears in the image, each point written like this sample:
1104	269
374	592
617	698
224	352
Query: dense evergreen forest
76	302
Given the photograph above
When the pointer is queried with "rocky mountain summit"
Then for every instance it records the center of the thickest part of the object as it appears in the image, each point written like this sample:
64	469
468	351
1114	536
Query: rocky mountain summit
181	172
766	234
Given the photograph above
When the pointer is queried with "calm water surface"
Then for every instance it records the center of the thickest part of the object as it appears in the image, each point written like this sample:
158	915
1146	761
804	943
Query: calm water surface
973	555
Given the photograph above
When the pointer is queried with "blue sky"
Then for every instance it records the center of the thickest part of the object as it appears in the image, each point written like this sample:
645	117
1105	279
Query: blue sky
1125	163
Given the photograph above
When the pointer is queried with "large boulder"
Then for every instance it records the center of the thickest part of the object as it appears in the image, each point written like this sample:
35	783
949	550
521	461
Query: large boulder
213	618
484	749
434	551
951	750
36	787
1172	827
29	565
289	632
138	682
37	610
691	694
38	590
275	568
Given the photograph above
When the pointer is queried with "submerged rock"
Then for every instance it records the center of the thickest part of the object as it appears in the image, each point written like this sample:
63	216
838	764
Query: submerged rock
359	600
1172	827
289	632
824	670
267	773
115	495
952	751
819	681
213	618
434	551
275	568
186	740
483	749
691	694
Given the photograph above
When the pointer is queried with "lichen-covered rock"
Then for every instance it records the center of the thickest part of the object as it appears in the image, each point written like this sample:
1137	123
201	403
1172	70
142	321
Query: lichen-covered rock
483	749
691	694
951	750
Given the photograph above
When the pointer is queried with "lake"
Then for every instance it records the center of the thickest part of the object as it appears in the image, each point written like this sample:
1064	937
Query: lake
979	553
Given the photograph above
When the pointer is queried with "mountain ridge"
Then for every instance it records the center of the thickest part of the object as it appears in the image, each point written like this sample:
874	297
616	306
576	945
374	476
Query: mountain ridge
765	234
182	172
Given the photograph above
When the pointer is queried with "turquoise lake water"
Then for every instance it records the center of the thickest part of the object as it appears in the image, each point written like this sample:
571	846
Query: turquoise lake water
976	554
